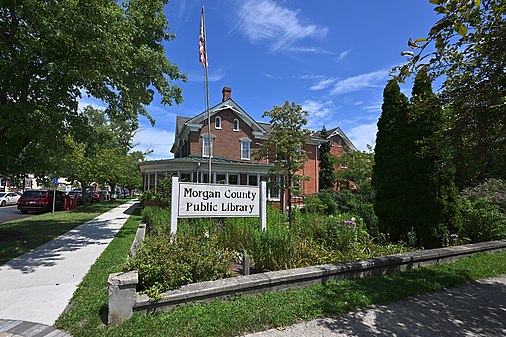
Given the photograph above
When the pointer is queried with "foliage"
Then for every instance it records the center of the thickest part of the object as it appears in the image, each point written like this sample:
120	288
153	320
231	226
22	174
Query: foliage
466	48
480	220
53	52
432	193
390	177
491	189
162	193
287	140
164	262
355	166
98	153
312	239
326	164
246	314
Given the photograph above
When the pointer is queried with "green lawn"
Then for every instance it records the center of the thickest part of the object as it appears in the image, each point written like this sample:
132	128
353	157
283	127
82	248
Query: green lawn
20	236
88	312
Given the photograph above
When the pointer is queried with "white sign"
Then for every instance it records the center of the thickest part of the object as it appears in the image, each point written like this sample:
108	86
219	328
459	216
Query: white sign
191	200
212	200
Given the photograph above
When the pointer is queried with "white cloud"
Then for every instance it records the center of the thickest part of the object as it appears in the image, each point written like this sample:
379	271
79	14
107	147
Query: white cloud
320	113
265	20
313	50
156	139
214	76
343	54
363	135
322	84
373	79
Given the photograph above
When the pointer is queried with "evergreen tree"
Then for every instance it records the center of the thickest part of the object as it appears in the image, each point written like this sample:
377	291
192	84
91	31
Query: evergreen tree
326	165
390	176
432	192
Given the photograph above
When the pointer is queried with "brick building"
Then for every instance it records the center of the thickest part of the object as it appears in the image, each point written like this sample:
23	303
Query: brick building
235	137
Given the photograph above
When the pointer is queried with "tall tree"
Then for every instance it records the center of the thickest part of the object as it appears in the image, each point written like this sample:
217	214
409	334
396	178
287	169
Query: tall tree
97	154
390	175
326	164
356	167
53	52
287	139
432	193
466	47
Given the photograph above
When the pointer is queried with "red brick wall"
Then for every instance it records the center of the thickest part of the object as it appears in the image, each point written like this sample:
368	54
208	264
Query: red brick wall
226	141
311	169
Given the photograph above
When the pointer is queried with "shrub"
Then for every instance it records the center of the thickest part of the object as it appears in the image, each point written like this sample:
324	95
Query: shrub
480	220
492	189
165	264
157	219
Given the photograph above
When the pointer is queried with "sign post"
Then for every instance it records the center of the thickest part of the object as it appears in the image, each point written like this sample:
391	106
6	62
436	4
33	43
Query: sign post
55	182
191	200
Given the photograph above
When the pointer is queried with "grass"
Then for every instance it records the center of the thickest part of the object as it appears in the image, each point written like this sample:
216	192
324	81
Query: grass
244	314
20	236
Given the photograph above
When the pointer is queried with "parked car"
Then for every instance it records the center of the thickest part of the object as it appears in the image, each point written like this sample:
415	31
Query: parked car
8	198
41	201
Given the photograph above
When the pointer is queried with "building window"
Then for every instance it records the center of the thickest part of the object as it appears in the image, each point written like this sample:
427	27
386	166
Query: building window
253	180
236	125
233	179
245	148
221	178
206	145
274	187
217	122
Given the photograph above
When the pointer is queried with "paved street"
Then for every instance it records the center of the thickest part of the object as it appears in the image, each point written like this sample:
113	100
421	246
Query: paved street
8	213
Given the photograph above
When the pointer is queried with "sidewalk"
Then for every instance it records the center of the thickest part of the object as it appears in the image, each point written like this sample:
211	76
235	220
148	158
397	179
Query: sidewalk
475	309
37	286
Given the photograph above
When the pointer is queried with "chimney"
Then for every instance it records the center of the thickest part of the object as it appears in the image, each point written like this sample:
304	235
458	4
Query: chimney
227	93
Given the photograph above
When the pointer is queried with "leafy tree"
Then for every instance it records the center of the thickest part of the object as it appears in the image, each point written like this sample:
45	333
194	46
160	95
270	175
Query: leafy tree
52	52
97	153
326	165
356	167
390	175
466	47
432	193
288	137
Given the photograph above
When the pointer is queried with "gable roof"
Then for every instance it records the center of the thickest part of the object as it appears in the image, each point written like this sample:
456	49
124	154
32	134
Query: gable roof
338	132
229	104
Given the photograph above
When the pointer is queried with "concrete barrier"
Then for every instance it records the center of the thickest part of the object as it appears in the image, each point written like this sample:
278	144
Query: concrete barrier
284	279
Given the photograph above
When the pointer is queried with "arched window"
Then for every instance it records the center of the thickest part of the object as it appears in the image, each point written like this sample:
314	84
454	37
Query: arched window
217	122
236	125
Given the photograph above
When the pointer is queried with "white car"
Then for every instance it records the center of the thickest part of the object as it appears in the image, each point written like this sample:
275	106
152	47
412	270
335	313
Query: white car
8	198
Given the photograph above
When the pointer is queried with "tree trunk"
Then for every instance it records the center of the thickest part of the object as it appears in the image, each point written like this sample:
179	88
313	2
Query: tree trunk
289	184
84	191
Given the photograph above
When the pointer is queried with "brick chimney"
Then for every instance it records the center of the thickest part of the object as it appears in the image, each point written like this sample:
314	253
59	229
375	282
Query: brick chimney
227	93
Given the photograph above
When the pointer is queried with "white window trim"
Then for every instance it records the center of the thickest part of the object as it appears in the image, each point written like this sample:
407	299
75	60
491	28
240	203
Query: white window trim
233	125
204	136
245	141
216	119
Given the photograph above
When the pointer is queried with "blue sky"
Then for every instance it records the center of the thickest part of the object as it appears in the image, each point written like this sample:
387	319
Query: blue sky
330	56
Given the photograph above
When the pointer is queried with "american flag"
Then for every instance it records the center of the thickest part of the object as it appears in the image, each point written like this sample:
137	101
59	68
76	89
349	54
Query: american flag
202	41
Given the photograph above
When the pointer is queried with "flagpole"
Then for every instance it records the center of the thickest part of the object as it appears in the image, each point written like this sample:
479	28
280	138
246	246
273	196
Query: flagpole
210	179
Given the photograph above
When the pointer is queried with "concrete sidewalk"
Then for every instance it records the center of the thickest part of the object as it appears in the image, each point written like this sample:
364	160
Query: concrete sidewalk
476	309
37	286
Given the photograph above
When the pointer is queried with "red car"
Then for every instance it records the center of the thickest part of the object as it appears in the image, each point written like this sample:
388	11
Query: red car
41	201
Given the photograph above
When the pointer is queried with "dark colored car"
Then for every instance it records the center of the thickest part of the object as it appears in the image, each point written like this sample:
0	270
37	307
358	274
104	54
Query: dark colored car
41	201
